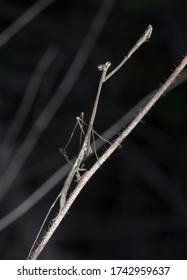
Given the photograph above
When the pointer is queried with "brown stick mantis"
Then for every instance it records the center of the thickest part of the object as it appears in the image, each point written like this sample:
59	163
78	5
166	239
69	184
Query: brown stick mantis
86	149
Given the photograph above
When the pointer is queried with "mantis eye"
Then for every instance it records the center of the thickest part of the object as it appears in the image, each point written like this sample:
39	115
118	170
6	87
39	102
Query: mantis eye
100	67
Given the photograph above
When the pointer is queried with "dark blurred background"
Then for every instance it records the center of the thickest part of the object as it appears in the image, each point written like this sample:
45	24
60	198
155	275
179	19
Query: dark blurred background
135	206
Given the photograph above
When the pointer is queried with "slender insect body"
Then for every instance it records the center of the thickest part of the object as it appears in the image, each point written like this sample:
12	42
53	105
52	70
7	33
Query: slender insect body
86	149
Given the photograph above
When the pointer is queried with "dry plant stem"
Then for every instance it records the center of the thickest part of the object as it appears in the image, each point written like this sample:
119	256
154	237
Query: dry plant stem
85	149
23	20
58	176
88	174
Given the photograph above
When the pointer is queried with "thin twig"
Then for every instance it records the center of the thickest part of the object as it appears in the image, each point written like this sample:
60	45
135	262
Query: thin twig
88	174
85	149
59	175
